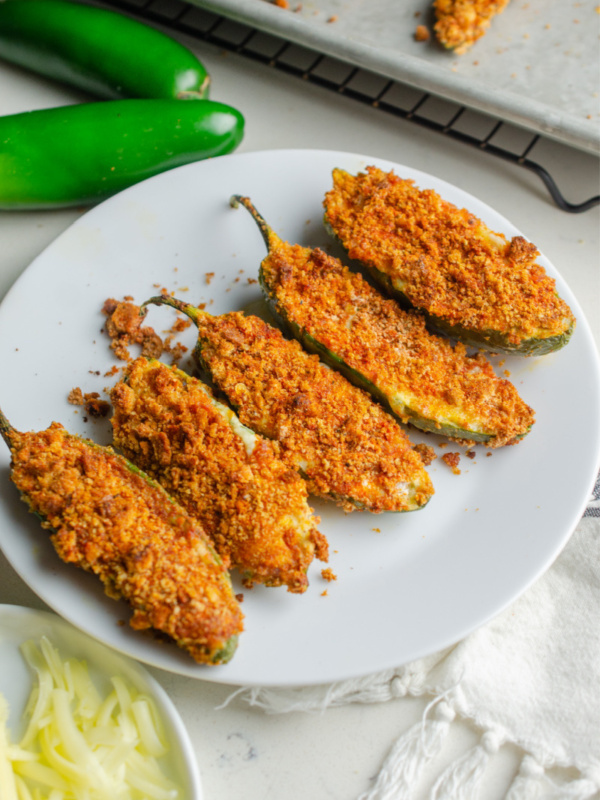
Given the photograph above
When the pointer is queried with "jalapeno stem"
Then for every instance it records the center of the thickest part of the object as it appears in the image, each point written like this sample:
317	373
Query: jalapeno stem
6	429
186	308
269	235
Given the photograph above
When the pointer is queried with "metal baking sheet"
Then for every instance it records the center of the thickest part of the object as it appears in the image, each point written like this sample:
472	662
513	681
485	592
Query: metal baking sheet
538	65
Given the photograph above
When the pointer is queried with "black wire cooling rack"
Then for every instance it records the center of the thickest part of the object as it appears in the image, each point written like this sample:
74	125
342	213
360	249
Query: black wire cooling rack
389	96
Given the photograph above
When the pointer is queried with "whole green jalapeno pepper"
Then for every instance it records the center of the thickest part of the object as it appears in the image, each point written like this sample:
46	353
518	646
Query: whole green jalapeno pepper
99	51
81	154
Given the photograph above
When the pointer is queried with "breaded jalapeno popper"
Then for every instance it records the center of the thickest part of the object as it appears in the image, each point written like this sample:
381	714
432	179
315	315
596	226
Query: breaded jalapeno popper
252	505
109	518
460	23
469	281
418	376
346	446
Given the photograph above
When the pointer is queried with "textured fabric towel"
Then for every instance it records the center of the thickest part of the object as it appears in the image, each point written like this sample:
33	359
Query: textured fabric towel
530	677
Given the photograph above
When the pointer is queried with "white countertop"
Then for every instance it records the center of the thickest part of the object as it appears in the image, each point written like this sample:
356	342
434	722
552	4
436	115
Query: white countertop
242	752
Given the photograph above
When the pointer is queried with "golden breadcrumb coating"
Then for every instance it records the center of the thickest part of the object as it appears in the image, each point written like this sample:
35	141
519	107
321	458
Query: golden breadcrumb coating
253	506
420	375
443	259
345	445
111	520
459	23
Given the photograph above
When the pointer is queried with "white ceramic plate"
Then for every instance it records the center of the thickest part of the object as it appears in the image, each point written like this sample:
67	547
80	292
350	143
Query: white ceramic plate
18	624
406	585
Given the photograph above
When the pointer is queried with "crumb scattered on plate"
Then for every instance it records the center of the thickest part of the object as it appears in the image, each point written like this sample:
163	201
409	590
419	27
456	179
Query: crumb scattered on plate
91	401
426	453
124	327
452	460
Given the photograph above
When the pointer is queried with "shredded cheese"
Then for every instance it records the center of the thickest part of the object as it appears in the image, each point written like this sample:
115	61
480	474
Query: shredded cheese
80	744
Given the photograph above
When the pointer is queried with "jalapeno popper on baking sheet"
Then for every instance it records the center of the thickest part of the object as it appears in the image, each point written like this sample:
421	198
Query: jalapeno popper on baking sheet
460	23
420	377
469	281
110	519
345	445
252	505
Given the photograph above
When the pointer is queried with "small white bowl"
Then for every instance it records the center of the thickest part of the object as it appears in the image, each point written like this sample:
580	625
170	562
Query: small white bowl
18	624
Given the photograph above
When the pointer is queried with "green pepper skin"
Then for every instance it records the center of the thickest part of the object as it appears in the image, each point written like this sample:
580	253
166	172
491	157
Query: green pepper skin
81	154
99	51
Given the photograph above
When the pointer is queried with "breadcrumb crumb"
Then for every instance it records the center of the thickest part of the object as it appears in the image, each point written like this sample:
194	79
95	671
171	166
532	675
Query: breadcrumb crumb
426	453
91	401
124	327
452	460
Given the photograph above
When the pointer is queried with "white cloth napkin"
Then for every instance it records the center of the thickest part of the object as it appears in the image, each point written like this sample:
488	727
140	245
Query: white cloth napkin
530	677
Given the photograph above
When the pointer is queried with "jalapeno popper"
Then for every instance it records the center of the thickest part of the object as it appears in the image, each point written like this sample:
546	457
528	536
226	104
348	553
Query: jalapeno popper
469	281
460	23
109	518
346	446
419	377
252	505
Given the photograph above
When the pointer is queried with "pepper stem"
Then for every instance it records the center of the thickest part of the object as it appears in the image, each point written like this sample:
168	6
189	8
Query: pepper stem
186	308
6	429
270	237
201	93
